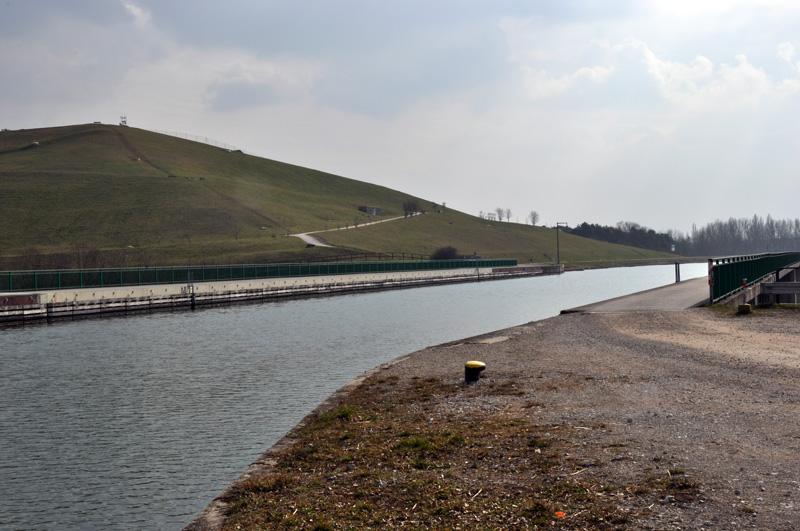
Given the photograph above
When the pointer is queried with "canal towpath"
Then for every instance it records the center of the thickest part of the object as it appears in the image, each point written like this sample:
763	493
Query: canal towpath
673	297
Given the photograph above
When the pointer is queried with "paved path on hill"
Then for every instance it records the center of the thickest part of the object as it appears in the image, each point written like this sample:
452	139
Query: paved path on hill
311	240
674	297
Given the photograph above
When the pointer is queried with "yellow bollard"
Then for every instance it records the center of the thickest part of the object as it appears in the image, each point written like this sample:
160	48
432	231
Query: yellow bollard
472	371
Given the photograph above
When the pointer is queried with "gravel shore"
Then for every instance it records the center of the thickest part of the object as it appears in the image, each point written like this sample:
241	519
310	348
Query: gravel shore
704	394
715	395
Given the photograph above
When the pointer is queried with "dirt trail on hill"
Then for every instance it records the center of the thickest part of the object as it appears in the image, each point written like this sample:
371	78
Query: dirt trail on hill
312	240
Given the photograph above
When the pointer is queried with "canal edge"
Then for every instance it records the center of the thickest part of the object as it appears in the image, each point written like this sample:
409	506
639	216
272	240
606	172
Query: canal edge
213	517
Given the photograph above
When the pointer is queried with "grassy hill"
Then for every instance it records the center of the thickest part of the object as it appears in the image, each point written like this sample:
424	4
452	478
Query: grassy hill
471	235
102	195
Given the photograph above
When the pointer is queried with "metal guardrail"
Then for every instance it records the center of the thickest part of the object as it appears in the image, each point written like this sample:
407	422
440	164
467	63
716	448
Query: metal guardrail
728	275
364	257
11	281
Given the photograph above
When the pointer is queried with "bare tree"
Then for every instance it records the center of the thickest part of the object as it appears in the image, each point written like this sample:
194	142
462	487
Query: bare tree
533	217
501	212
508	215
410	207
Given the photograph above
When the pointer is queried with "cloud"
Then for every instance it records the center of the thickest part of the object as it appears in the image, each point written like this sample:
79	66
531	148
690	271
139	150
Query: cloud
245	81
141	17
61	55
630	74
539	85
704	87
786	51
373	58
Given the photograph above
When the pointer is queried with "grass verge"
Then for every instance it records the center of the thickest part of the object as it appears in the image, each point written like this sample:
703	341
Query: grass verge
417	454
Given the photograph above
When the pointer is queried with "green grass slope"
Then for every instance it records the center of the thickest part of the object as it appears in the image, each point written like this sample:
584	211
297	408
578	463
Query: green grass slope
102	195
490	239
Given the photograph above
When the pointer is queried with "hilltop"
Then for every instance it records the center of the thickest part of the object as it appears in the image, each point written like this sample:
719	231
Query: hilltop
103	195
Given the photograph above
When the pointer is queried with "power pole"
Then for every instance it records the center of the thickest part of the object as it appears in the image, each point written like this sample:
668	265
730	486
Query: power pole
559	224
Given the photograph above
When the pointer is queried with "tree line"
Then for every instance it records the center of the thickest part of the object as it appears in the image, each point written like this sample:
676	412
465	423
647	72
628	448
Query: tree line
718	238
625	233
741	236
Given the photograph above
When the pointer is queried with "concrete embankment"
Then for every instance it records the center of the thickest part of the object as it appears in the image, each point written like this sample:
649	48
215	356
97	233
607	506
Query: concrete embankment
75	303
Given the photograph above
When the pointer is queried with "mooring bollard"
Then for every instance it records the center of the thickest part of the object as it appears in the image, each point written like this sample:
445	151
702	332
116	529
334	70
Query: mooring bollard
472	371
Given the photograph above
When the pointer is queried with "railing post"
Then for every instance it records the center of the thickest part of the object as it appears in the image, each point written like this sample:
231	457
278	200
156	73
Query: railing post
711	281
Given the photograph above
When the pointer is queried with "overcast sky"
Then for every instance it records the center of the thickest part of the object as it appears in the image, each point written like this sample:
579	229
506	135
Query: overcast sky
661	113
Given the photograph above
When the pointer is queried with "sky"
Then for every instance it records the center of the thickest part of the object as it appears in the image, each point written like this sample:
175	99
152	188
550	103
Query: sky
663	113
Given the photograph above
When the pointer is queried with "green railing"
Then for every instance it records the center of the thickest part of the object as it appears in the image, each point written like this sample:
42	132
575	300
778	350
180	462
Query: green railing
727	275
96	278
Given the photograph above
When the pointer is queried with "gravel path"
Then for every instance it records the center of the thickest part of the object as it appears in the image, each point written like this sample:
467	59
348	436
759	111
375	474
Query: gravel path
312	240
712	395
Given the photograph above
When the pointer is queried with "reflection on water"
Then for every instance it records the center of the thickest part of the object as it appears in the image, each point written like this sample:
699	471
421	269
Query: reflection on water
139	422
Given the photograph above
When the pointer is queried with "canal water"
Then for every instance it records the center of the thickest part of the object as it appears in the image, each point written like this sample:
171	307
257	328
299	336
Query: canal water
138	422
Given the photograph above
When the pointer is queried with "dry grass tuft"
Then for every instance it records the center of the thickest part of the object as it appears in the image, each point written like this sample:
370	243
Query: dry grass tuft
396	455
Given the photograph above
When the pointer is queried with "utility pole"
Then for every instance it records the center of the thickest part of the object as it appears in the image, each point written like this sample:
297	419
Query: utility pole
559	224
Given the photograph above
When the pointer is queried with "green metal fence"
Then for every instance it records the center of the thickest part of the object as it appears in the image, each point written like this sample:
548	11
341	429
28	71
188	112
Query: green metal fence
728	275
95	278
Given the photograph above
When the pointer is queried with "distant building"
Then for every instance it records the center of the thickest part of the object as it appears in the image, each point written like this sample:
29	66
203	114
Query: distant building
371	210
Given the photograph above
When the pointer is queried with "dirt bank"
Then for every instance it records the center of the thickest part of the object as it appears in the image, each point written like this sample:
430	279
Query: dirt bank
653	420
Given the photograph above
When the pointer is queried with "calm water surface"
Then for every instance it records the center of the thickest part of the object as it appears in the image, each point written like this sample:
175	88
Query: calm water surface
139	422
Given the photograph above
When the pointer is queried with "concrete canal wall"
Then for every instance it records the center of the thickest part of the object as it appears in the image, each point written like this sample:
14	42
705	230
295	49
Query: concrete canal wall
75	303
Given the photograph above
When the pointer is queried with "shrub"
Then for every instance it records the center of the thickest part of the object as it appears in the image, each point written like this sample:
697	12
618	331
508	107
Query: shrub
445	253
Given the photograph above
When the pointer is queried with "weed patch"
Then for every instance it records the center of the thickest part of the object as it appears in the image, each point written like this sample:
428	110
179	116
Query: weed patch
402	458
